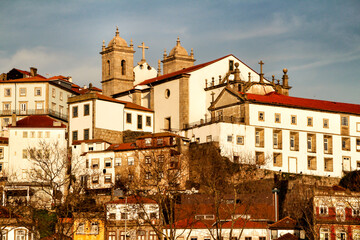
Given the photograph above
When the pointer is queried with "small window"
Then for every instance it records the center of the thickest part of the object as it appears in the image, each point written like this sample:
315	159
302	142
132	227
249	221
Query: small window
95	163
344	121
160	141
22	92
112	216
309	121
161	158
94	228
261	116
293	120
147	141
7	92
345	144
53	93
25	134
231	65
75	135
240	140
32	134
148	121
37	91
277	118
277	159
229	138
323	210
326	123
139	122
147	175
75	111
107	178
328	164
86	109
130	177
358	144
147	159
130	161
358	127
128	117
107	162
209	138
167	93
117	161
311	162
86	134
95	179
25	154
40	134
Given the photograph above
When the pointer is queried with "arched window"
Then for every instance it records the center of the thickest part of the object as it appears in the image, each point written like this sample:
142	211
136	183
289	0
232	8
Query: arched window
108	66
123	67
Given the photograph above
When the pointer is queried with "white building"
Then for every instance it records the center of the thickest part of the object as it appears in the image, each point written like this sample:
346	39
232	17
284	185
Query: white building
27	133
34	94
95	116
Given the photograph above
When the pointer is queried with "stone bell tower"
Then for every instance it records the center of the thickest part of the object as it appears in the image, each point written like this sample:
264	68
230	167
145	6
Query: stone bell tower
177	59
117	66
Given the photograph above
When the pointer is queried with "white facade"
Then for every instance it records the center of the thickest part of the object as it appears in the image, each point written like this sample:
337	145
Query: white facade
144	71
131	210
19	167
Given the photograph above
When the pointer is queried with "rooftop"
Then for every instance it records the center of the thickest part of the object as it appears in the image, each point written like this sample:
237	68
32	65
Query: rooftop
38	121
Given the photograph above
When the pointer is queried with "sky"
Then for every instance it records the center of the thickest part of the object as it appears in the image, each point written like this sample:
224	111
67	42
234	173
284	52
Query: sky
317	41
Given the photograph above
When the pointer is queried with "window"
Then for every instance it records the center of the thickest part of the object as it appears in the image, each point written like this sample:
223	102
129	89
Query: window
345	143
117	161
261	116
130	161
160	141
311	142
231	65
208	138
341	235
24	153
247	238
147	159
358	144
277	117
75	111
94	228
311	162
328	164
139	122
358	165
147	175
107	162
161	158
53	106
358	127
86	134
128	117
130	177
75	135
124	216
327	144
81	228
123	67
37	91
293	120
240	140
86	109
95	163
22	92
277	139
148	121
7	108
262	238
7	92
39	105
259	137
107	178
344	121
23	108
326	123
277	159
356	211
20	235
25	134
95	179
309	121
87	163
229	138
167	123
39	134
324	234
1	152
53	93
259	158
147	141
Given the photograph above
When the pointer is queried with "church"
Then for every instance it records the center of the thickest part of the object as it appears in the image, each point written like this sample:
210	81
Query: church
253	119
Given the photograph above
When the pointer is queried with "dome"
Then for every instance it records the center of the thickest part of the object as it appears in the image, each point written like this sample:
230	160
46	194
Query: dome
178	49
117	40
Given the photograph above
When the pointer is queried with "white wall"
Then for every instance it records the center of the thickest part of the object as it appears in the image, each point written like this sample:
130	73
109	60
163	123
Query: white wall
133	126
109	115
142	72
80	122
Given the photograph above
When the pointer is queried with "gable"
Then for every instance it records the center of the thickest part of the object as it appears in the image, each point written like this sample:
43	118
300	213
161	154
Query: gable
226	98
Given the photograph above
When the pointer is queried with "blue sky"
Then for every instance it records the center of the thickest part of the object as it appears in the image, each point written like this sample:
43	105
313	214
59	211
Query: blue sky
318	41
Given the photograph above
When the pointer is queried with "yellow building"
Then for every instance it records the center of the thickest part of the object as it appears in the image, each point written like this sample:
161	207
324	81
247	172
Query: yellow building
89	229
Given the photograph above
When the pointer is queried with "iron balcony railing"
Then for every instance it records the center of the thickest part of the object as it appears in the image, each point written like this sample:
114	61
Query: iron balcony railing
27	112
226	119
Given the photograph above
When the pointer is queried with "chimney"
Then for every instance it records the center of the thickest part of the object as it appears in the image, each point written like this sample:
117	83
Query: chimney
33	72
13	120
70	79
285	78
56	124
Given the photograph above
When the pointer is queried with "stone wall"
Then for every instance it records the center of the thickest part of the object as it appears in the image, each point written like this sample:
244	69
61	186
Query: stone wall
130	136
108	135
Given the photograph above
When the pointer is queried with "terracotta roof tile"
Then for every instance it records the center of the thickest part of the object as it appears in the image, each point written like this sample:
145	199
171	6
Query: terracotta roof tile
78	142
288	236
162	134
27	73
122	146
274	98
127	104
285	223
37	121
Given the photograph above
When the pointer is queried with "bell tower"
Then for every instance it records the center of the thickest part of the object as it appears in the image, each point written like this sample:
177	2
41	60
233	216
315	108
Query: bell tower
117	66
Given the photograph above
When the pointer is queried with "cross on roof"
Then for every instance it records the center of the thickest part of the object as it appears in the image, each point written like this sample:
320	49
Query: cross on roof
261	65
143	50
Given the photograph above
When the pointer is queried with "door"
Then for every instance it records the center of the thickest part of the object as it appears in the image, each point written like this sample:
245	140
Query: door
346	164
292	165
23	108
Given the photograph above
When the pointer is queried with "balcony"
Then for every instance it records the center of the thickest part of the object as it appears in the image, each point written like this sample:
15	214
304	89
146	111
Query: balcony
48	111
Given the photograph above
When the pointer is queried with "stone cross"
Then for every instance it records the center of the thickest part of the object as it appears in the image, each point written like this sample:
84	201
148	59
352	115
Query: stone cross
261	65
143	50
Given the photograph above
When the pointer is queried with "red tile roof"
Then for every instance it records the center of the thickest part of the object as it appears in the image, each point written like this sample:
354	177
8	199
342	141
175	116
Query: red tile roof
127	104
29	79
285	223
27	73
274	98
133	200
122	146
191	223
37	121
182	71
288	236
78	142
161	134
